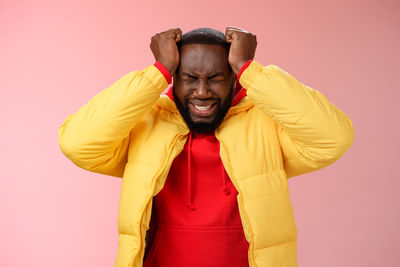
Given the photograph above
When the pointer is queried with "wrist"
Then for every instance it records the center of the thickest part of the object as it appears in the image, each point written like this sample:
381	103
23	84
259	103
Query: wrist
243	68
238	66
164	71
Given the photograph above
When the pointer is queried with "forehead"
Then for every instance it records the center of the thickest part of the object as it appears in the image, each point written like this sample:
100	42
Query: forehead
203	58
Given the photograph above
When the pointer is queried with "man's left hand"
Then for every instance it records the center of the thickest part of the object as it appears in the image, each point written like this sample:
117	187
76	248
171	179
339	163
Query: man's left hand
243	47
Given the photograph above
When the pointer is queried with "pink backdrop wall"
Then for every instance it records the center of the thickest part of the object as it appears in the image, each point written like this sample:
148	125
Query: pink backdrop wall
56	55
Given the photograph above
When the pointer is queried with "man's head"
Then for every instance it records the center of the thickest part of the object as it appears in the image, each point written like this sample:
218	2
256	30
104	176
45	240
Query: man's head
204	81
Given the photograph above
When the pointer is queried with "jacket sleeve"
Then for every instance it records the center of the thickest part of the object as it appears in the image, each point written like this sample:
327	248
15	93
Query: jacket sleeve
96	137
313	133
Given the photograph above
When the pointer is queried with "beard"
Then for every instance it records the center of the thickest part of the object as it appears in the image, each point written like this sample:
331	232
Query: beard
204	127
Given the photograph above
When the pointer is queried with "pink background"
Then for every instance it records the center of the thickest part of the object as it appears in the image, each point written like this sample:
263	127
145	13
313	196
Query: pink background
54	57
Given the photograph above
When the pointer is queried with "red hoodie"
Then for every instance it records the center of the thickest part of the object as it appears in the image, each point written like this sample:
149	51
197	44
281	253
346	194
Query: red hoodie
195	216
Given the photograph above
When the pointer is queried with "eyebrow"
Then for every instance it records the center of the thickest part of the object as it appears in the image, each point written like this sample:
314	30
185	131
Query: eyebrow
194	76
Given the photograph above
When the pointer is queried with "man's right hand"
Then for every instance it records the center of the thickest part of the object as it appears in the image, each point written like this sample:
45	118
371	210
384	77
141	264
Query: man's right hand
164	48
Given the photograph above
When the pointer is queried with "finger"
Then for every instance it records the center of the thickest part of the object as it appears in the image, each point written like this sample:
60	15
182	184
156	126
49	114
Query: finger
230	35
171	33
175	34
236	29
178	35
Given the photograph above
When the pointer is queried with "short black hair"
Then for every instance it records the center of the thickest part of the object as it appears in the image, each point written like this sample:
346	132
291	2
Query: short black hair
204	36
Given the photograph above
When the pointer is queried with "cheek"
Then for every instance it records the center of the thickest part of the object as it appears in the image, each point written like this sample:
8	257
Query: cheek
223	91
181	91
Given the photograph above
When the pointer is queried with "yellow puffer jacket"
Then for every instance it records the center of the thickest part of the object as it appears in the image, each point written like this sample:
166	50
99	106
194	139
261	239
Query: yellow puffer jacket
283	128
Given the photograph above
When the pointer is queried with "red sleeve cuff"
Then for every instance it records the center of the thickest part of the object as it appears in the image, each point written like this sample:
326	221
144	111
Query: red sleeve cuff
245	65
164	71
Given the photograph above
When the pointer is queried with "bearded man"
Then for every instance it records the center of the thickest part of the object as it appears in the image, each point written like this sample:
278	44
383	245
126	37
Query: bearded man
205	165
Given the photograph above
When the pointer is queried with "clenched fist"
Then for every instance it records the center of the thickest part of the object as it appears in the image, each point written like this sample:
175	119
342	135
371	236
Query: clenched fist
164	48
243	47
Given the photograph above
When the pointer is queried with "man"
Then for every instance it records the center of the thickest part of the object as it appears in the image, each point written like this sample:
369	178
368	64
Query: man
205	166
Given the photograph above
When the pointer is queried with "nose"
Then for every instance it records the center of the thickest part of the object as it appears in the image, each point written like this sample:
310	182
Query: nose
202	91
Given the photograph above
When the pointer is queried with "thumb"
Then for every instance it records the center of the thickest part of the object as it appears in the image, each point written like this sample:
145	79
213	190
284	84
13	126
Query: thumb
178	35
228	36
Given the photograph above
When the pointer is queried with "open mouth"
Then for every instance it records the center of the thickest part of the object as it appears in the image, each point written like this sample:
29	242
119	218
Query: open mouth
203	110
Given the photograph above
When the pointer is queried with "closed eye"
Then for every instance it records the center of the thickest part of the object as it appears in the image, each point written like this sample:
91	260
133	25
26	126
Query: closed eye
215	81
189	76
218	77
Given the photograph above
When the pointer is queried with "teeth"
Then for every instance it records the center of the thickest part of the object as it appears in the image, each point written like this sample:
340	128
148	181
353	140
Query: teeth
202	108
